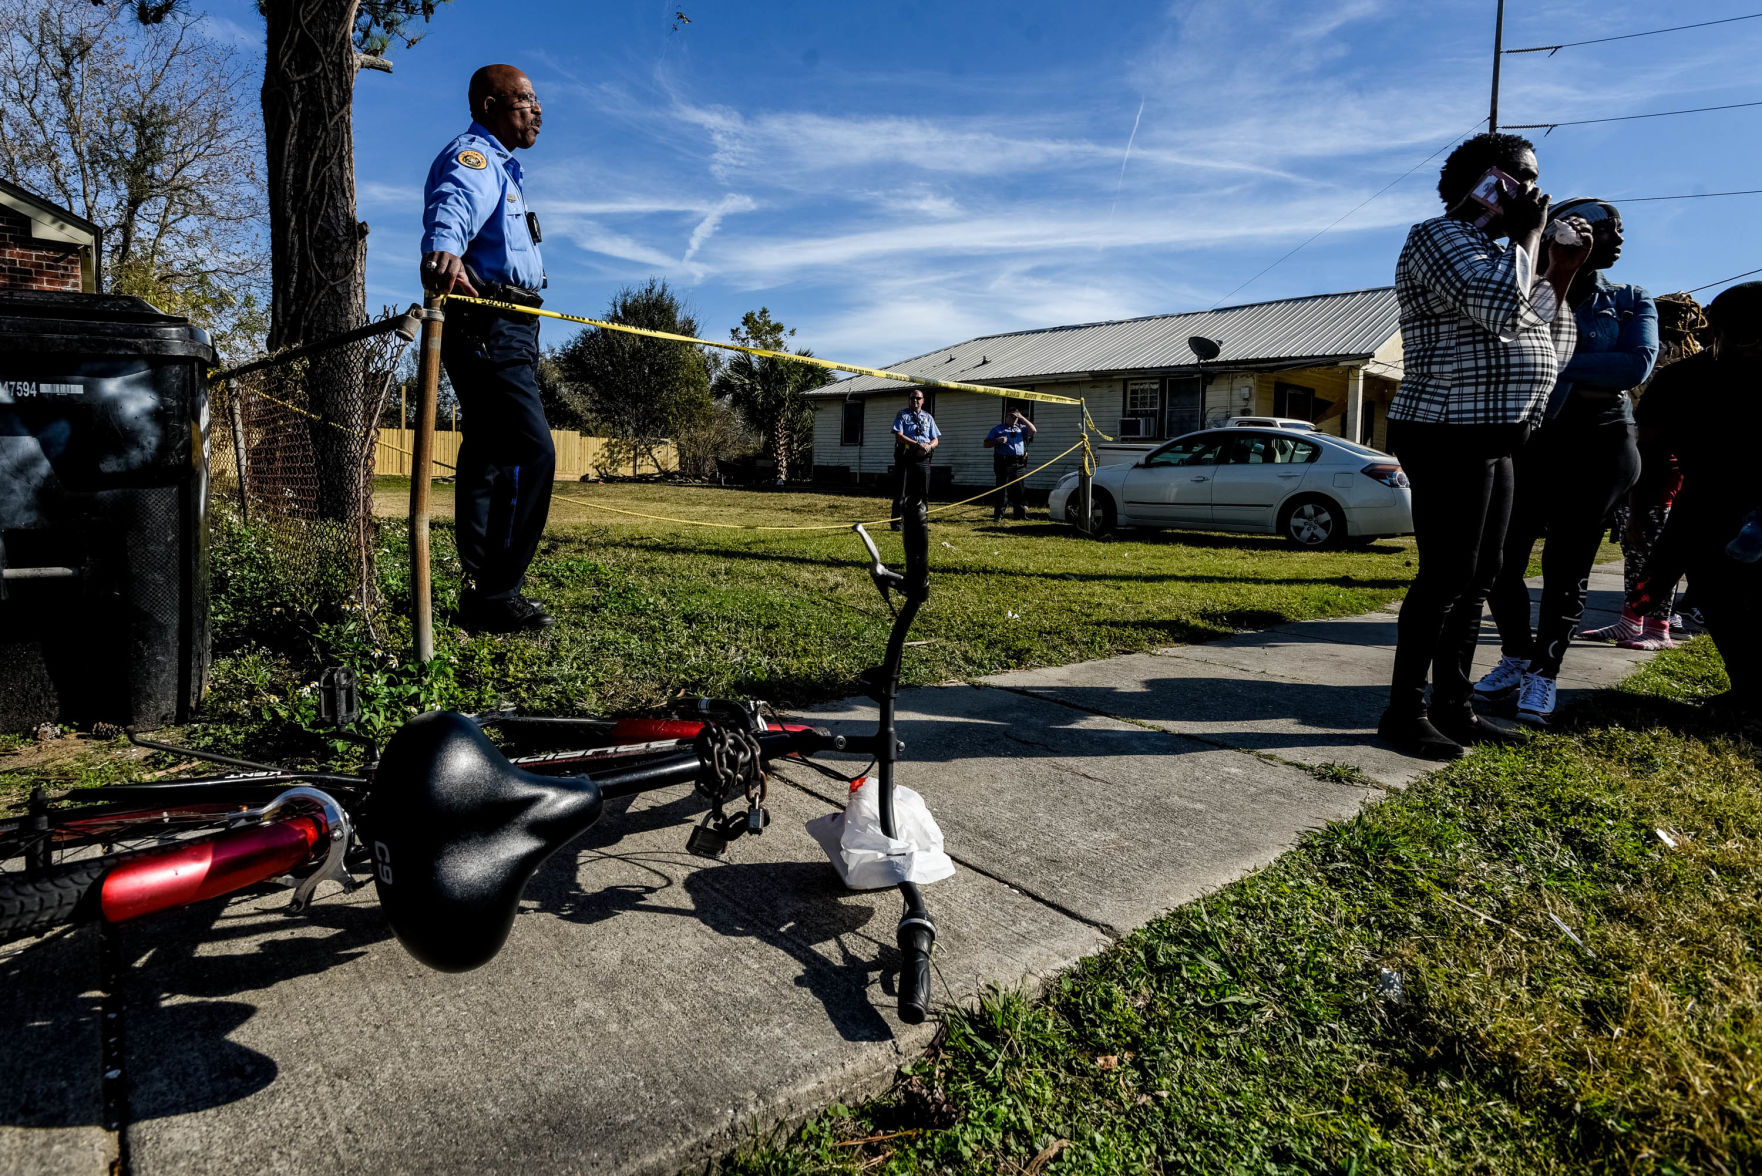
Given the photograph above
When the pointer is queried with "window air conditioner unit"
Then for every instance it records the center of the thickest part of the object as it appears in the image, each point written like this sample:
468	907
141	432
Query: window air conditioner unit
1132	427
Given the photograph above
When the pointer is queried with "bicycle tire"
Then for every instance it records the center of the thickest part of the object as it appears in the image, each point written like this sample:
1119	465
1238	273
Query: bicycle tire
64	895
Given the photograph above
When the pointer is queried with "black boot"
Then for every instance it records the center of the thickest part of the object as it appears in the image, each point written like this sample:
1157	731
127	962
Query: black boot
1460	723
1413	734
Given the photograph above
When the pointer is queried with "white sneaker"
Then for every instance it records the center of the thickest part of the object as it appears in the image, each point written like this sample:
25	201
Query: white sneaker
1503	678
1535	703
1676	623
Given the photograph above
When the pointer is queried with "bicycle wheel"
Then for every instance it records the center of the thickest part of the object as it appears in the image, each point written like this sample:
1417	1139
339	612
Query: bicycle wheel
119	861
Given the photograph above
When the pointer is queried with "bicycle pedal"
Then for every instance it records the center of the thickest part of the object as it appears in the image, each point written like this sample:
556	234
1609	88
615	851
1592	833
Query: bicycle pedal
707	841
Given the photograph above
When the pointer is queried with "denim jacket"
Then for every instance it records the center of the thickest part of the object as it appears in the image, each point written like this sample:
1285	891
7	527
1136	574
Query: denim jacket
1617	343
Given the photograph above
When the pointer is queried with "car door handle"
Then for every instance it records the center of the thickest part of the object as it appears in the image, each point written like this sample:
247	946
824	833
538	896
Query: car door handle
1290	475
1200	478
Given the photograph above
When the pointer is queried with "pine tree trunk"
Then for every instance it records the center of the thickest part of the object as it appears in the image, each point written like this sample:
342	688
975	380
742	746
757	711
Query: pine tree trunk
317	247
315	241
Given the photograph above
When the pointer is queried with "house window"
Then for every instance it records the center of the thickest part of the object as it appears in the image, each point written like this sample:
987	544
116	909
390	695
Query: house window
850	431
1025	407
1367	424
1144	401
929	400
1291	400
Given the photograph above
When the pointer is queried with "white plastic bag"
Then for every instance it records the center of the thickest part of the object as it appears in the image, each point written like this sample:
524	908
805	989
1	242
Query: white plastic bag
868	859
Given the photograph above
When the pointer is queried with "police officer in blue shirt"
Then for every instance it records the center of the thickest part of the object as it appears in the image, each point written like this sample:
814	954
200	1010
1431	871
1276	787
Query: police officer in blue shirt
479	239
1008	443
915	438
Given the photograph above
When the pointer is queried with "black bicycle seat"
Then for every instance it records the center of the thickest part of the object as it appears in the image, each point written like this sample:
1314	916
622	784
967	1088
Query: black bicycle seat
456	831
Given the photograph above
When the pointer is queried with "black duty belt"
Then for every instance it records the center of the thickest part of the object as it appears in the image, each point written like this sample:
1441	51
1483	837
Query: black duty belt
518	295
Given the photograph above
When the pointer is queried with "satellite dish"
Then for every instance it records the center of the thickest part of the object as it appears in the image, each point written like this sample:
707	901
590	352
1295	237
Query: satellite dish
1204	348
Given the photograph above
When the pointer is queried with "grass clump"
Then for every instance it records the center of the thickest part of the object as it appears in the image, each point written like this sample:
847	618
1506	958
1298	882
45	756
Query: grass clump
1395	994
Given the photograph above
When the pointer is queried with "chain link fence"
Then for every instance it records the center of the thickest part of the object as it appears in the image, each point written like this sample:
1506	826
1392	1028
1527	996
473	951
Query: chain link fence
291	465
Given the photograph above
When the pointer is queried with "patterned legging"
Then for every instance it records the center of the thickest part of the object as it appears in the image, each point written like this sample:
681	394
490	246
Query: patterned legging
1639	534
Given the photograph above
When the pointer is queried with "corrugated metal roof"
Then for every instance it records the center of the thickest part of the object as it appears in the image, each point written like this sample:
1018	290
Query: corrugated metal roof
1322	326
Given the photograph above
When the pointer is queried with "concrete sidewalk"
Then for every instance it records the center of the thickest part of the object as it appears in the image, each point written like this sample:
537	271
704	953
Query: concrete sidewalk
650	1007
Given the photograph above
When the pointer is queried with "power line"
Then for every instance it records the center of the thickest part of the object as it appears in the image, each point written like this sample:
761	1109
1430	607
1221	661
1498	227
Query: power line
1549	127
1281	261
1684	196
1551	50
1723	281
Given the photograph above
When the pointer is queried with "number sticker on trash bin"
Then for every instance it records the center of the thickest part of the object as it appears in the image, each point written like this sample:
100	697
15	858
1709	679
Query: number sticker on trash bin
12	391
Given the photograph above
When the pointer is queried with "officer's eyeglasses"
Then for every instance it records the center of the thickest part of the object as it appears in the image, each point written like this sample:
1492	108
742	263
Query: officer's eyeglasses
516	101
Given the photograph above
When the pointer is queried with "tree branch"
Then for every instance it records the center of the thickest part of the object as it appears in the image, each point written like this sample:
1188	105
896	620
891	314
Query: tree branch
368	61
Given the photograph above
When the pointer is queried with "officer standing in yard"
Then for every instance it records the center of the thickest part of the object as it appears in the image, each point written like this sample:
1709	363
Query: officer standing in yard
1008	443
915	438
479	239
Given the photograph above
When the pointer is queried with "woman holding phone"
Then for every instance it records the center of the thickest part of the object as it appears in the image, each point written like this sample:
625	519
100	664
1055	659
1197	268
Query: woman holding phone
1485	337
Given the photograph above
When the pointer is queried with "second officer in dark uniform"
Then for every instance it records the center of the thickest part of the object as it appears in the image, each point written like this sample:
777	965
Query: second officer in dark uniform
479	239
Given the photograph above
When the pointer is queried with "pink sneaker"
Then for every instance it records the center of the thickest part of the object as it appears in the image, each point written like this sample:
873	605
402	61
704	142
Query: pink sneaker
1628	628
1655	635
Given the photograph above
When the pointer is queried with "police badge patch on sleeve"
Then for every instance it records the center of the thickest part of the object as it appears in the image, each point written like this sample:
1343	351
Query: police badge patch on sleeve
473	160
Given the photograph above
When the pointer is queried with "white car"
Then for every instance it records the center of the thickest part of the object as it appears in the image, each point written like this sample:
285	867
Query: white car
1315	490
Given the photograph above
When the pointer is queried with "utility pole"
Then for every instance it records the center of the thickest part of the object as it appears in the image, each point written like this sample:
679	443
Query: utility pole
1498	54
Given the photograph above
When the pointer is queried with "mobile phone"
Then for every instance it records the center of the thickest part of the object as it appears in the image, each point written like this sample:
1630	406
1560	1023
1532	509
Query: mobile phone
1490	192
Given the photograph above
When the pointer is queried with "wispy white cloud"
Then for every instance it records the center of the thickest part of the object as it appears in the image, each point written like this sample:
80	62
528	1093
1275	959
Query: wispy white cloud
730	203
1127	157
373	193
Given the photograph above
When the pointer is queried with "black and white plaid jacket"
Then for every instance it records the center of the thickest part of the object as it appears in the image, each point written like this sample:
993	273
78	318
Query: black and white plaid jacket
1481	342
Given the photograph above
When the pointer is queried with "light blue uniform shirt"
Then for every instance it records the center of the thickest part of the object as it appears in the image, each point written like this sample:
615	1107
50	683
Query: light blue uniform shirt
473	207
1009	440
916	425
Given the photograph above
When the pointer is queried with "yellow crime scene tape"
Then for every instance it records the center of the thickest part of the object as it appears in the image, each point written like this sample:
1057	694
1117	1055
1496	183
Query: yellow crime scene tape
810	360
1087	423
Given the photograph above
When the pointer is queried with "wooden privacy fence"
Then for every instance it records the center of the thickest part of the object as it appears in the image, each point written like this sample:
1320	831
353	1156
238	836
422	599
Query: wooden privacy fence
578	456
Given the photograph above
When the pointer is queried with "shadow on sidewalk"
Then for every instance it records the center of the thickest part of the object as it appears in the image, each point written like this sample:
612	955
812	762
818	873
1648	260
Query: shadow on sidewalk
798	908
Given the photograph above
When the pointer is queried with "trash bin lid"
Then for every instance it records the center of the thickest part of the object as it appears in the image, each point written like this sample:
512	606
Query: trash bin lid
97	325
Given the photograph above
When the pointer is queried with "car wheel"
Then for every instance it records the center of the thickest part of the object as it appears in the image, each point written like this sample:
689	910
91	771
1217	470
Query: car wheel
1313	523
1101	512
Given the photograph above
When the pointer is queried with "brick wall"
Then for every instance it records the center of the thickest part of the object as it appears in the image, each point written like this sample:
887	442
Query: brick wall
27	264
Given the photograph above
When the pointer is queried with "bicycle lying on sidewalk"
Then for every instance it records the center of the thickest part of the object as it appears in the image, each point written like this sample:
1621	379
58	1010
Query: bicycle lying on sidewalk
449	825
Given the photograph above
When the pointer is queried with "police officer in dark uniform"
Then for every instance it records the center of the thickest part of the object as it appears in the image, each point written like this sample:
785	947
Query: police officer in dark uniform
479	239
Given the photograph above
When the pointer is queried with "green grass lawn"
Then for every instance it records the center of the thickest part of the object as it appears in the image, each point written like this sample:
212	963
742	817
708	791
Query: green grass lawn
647	609
1260	1030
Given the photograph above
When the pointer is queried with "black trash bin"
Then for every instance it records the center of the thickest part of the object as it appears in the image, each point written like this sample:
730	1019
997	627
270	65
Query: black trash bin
103	511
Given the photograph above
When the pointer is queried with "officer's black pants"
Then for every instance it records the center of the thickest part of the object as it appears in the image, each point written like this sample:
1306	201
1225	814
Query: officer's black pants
506	458
1007	468
1462	485
912	483
1568	478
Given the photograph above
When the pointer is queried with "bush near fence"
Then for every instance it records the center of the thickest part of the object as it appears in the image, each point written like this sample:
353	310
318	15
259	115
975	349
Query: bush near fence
578	455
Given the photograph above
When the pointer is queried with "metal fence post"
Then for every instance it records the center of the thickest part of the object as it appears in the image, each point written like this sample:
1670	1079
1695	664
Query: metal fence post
421	467
236	411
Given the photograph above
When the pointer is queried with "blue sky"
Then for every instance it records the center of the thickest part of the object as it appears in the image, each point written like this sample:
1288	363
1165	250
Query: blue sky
890	177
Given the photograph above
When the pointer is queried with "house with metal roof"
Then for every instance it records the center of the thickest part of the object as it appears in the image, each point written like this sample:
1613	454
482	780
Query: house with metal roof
1333	359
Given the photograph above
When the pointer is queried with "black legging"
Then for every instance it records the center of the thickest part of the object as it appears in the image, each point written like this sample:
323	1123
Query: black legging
1569	477
1462	481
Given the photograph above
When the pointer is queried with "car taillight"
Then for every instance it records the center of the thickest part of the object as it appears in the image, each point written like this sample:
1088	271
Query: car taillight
1388	473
